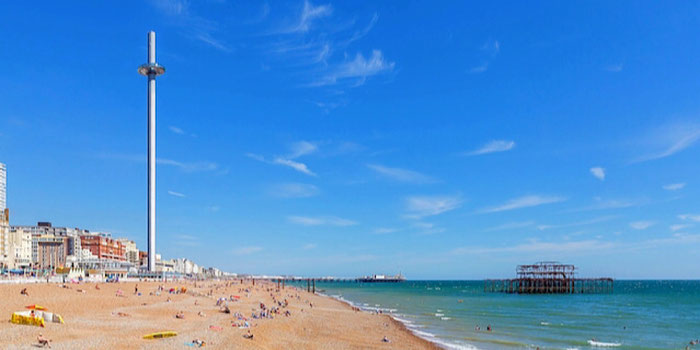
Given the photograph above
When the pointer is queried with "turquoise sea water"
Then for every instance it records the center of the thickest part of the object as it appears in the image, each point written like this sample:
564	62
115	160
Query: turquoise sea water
638	315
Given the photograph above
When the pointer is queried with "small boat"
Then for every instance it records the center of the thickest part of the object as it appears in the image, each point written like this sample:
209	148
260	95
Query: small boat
159	335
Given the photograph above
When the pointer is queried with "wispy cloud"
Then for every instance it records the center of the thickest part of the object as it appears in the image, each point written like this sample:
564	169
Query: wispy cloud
523	202
176	194
674	187
176	130
302	148
536	246
603	204
357	70
298	166
421	206
492	47
308	14
294	190
641	225
492	147
401	175
489	50
199	166
480	68
614	68
320	221
598	172
427	228
384	230
247	250
309	246
194	26
690	217
673	139
510	226
678	227
189	166
578	223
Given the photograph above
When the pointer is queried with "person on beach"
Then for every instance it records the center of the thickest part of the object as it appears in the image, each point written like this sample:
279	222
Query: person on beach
248	335
180	315
136	289
24	292
488	328
43	342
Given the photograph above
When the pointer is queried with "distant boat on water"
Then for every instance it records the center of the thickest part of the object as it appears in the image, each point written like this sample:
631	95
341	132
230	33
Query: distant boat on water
382	278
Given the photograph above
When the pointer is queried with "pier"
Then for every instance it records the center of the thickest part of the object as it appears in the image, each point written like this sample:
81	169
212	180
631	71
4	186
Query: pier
549	277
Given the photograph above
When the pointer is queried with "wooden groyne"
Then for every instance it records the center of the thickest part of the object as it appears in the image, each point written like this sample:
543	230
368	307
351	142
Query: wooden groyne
549	278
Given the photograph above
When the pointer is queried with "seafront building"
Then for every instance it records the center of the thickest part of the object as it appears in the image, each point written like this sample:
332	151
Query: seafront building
4	237
3	187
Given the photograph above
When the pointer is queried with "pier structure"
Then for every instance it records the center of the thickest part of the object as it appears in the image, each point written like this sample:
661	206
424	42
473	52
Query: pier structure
548	277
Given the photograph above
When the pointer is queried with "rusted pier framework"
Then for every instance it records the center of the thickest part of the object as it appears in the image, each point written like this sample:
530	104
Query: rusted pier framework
548	278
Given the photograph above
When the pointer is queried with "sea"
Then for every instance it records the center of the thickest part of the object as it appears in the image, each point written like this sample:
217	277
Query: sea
455	314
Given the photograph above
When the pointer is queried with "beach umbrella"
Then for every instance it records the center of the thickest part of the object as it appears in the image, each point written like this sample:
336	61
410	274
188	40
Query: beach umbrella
36	307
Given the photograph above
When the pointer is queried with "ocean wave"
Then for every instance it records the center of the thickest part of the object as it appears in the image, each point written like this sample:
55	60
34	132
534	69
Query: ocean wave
603	344
445	318
439	315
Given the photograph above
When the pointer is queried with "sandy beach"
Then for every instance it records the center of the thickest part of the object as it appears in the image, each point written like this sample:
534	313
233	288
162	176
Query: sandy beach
100	319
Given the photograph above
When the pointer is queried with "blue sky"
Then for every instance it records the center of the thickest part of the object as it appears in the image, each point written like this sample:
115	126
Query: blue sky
442	140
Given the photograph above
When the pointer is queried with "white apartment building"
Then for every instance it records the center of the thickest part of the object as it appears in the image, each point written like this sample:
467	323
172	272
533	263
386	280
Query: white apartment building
132	253
20	251
3	187
4	238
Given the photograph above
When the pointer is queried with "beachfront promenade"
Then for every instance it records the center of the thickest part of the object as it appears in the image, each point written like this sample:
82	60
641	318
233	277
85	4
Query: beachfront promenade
117	315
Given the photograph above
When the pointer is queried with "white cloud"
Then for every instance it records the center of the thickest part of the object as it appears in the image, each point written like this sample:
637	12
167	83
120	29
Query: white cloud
298	166
678	227
510	226
302	148
247	250
674	139
309	13
480	68
320	220
309	246
189	166
358	69
294	190
614	68
176	130
176	194
598	172
602	204
492	47
493	146
579	223
524	202
535	246
674	187
690	217
192	26
421	206
641	225
427	228
401	175
384	230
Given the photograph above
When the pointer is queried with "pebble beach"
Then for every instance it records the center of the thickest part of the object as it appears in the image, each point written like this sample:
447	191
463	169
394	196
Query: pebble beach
115	316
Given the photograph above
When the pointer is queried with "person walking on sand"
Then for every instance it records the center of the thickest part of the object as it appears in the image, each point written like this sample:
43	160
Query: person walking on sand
136	289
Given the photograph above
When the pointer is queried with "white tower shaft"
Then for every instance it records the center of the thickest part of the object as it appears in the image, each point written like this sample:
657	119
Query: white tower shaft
151	154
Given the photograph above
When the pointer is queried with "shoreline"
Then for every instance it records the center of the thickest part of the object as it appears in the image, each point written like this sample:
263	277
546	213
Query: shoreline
98	318
397	322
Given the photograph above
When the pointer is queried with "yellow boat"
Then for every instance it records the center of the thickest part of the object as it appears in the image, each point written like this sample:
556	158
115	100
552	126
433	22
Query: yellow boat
159	335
